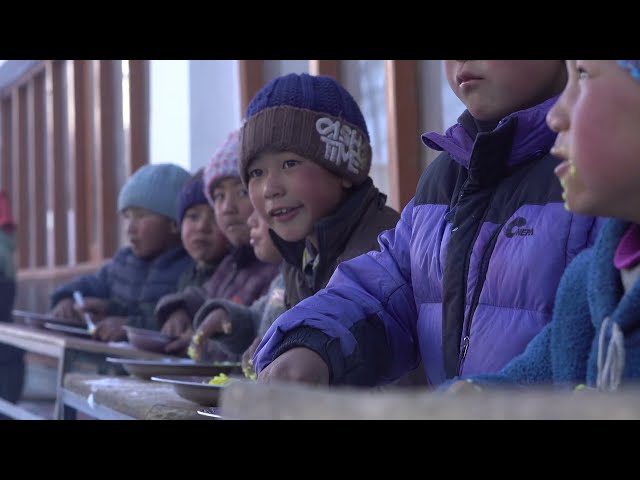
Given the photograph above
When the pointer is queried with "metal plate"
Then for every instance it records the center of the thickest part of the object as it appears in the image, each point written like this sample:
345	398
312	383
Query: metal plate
146	368
193	388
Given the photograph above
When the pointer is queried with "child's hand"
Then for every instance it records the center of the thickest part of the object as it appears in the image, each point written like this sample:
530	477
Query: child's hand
179	345
110	329
64	310
216	323
247	359
96	306
297	365
178	323
462	387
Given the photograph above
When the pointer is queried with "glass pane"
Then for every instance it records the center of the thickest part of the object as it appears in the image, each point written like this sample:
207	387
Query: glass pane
365	80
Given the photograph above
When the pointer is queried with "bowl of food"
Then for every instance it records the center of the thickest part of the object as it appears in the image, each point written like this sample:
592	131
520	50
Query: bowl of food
203	390
149	340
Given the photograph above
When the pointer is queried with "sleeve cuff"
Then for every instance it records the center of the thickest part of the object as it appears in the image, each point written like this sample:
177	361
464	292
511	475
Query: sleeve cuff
308	337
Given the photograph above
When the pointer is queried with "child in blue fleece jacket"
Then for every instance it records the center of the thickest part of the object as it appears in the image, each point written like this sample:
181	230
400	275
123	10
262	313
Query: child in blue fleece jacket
594	338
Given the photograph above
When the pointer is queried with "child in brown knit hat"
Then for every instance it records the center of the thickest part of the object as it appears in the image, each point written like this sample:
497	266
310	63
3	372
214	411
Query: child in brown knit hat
306	158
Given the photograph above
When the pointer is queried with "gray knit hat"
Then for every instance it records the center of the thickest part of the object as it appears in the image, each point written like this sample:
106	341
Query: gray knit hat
155	187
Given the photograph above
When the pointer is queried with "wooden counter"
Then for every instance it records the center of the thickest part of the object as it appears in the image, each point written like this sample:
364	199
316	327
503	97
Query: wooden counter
248	400
125	398
67	350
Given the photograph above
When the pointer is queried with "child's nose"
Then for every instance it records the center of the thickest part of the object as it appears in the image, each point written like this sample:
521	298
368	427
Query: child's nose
204	225
131	226
272	186
229	204
557	118
555	121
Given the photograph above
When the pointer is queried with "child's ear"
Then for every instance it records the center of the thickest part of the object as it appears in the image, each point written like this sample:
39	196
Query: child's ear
346	184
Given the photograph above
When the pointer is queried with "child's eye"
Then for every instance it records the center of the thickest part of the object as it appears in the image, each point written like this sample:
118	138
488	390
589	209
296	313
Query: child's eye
243	192
217	196
582	72
256	172
290	163
135	214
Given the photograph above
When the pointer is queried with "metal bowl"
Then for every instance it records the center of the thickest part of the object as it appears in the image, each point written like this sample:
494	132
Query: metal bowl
149	340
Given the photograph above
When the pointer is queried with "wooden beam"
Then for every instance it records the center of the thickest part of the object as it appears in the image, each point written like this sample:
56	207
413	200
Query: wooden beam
20	161
39	173
404	136
86	159
139	114
251	81
56	162
37	144
325	67
6	147
107	141
76	86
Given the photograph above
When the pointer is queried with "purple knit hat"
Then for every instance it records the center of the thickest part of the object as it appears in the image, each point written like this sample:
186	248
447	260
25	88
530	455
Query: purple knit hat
191	194
225	163
313	116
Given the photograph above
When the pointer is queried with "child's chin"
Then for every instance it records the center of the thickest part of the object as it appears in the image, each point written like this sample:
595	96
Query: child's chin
141	252
238	242
290	235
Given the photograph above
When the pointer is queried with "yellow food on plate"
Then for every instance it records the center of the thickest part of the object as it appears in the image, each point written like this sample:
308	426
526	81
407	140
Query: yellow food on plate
250	373
221	379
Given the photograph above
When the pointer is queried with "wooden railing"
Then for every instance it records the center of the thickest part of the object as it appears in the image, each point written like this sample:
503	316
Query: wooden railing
72	131
67	143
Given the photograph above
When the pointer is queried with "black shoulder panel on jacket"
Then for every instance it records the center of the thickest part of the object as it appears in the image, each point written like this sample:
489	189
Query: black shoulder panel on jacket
438	182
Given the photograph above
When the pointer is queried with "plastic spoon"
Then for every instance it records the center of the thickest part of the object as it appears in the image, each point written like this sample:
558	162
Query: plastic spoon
79	299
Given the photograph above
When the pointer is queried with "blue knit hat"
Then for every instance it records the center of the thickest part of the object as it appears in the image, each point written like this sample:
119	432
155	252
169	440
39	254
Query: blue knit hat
192	194
154	187
313	116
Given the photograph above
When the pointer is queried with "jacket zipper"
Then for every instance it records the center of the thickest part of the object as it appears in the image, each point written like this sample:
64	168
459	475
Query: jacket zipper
476	293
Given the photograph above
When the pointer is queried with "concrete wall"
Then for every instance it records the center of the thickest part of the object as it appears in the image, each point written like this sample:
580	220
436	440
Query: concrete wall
214	96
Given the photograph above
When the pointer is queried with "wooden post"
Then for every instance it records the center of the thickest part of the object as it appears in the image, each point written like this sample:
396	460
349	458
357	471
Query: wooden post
325	67
251	81
404	136
56	164
139	112
107	142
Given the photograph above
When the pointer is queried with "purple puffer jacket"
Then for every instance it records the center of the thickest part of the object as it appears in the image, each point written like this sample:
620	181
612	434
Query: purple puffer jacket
468	276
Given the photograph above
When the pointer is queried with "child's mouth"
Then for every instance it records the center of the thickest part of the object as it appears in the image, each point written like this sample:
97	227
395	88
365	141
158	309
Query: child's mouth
566	171
283	214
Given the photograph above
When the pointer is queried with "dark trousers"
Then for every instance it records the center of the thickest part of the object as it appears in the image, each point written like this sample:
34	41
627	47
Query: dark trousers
11	375
11	358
